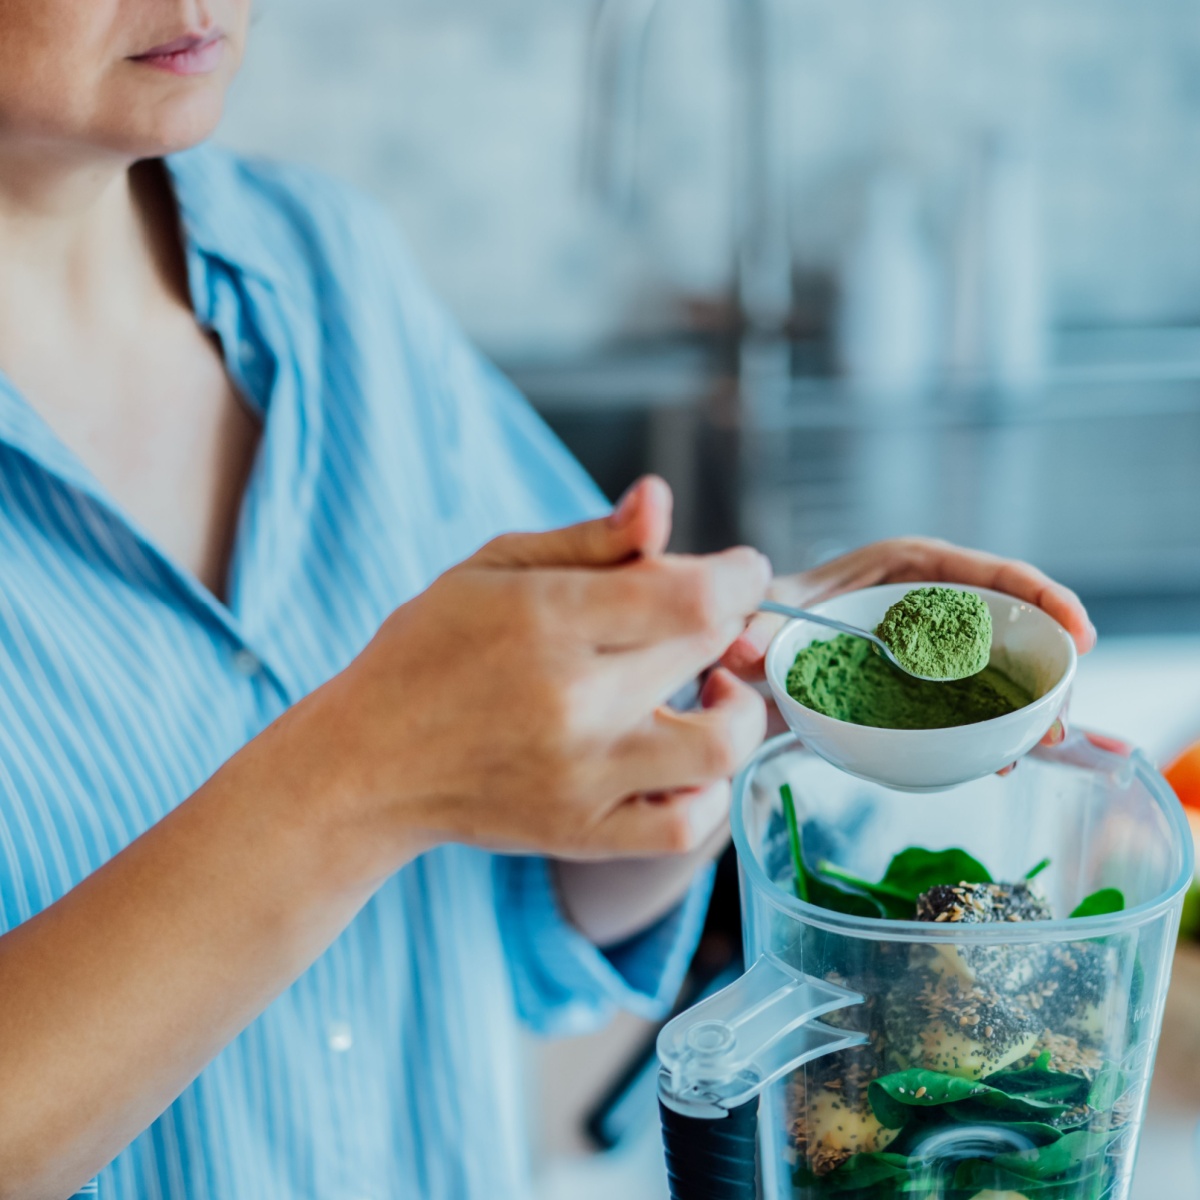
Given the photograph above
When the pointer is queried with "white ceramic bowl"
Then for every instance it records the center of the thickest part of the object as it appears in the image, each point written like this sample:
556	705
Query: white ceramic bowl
1027	645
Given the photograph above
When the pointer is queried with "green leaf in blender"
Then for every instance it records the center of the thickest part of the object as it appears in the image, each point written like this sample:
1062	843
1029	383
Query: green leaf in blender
909	874
1080	1148
1037	1132
1035	871
916	869
893	1097
1106	900
1041	1085
1034	1178
789	814
1107	1088
826	893
882	890
809	886
860	1172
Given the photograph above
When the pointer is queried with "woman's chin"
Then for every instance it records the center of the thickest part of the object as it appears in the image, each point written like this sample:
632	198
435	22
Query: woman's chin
167	127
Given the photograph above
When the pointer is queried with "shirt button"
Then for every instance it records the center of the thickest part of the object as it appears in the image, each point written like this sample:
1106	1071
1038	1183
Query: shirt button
341	1038
245	662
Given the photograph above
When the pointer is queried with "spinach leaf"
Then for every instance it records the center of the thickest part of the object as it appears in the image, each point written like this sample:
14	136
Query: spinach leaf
1046	1162
859	1172
916	870
910	873
1034	1094
812	888
1040	1083
826	894
1106	900
1086	1182
892	1097
1107	1088
888	901
1035	871
789	815
1038	1132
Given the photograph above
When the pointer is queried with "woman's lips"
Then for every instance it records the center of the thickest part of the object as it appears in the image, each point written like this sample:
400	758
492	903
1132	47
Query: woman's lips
191	55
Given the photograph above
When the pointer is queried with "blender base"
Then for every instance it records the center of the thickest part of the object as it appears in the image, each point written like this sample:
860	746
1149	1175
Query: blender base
711	1158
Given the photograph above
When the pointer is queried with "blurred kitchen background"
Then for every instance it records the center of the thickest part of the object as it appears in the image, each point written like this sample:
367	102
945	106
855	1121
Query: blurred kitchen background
839	270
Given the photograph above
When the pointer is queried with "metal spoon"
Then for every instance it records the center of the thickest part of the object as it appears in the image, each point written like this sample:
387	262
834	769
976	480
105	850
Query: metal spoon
800	614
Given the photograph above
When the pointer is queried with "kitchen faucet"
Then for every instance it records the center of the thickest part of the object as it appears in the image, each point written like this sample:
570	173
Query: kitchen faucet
616	67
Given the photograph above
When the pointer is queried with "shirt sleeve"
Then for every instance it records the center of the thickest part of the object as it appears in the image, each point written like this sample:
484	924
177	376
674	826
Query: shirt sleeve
563	983
500	468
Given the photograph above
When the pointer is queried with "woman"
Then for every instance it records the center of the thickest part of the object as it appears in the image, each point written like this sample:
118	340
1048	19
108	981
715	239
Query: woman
298	817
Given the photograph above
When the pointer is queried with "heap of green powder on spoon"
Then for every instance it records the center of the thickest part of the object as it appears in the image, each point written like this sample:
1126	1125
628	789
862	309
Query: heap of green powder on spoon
939	632
934	631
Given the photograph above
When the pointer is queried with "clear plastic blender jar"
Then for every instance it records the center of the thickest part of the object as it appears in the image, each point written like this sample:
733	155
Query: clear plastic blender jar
863	1058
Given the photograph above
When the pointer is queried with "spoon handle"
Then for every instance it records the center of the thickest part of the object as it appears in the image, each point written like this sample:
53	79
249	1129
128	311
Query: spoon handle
801	614
785	610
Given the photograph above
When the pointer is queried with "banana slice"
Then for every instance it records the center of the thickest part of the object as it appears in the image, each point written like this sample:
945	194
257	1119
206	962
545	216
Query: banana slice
939	1020
829	1129
956	1052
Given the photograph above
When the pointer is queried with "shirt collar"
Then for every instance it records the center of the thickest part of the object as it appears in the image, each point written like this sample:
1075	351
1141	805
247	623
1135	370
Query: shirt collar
215	223
215	226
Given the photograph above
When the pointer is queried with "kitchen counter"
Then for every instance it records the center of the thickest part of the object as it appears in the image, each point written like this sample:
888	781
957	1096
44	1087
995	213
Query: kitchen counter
1146	689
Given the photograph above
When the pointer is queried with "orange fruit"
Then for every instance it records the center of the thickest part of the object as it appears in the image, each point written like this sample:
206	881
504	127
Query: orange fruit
1184	776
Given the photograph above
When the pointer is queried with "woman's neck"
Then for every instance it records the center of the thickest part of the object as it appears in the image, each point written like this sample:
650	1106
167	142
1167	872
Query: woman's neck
97	336
85	245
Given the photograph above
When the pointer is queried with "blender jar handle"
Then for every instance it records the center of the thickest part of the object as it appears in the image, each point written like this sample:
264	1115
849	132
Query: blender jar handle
718	1056
1078	749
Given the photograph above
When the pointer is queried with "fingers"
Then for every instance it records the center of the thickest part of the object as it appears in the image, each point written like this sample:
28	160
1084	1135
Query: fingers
746	657
673	597
1102	741
639	525
974	568
1056	734
674	750
678	823
644	512
860	568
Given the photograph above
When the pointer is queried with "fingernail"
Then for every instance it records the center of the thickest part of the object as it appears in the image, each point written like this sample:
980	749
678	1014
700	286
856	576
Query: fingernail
1057	733
706	812
626	507
768	570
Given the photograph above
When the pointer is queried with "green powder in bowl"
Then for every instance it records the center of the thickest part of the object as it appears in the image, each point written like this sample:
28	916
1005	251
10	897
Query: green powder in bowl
846	679
939	632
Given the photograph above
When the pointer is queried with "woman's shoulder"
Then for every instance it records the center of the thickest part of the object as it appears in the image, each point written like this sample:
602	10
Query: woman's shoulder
286	220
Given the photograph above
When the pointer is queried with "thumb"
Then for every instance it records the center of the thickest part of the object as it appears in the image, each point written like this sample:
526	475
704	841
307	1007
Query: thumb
640	525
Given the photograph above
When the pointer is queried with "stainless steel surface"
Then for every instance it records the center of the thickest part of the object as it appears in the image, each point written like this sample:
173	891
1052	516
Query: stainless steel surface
800	614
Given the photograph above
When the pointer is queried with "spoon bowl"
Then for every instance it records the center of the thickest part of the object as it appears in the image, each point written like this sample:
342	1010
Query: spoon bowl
801	614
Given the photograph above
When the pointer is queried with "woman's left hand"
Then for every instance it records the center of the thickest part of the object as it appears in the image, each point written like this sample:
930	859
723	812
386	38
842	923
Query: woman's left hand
913	560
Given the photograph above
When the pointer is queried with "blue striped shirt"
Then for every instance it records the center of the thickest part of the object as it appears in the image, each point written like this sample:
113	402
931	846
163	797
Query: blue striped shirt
389	451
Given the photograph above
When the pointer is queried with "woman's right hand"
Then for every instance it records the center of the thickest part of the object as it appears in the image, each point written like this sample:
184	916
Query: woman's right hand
515	704
519	702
